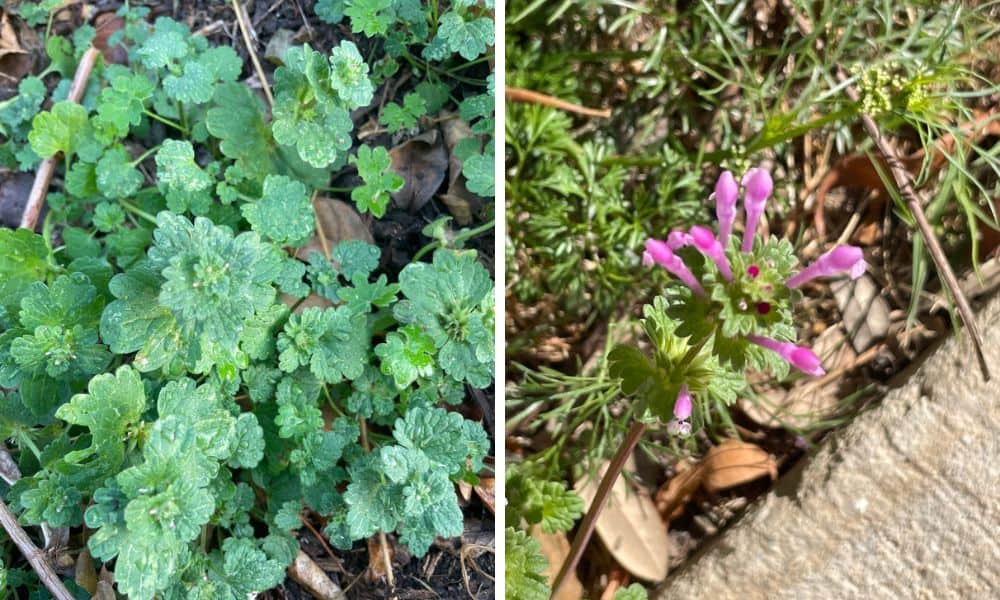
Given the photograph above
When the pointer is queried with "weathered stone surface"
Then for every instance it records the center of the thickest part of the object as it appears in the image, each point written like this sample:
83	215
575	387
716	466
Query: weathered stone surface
903	503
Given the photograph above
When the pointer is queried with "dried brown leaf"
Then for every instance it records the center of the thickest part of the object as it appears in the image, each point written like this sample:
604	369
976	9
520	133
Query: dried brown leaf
487	492
461	203
675	493
422	162
733	463
16	61
630	527
337	221
104	591
85	574
107	24
555	549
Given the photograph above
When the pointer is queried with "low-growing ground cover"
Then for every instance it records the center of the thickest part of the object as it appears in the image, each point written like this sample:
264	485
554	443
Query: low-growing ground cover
625	118
246	335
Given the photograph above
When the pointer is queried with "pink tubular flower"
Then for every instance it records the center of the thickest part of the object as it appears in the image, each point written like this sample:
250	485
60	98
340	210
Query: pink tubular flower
758	185
647	259
712	248
726	192
838	260
801	358
682	407
665	257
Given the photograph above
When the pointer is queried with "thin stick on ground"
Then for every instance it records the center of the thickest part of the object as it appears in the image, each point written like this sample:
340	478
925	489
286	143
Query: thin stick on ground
43	177
319	227
530	97
632	438
914	200
338	564
244	29
31	552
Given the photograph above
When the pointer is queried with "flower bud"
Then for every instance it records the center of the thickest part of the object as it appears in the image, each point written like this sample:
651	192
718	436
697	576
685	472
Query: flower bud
709	246
726	193
682	406
842	258
801	358
665	257
758	185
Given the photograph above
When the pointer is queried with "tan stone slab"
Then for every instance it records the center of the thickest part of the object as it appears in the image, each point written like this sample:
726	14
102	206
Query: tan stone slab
903	503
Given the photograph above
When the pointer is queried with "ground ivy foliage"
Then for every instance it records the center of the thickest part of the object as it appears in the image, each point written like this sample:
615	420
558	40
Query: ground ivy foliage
164	384
157	457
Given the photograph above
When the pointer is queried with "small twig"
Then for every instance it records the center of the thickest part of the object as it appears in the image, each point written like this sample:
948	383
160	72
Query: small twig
209	29
319	227
338	564
530	97
244	29
465	555
597	505
274	7
35	556
36	198
914	200
387	560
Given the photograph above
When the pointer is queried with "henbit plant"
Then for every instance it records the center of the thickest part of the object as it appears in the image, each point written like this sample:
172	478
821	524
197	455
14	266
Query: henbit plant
732	311
161	386
698	84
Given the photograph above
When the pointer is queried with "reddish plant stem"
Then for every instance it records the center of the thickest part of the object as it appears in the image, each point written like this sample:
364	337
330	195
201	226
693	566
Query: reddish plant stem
632	438
914	200
530	97
43	177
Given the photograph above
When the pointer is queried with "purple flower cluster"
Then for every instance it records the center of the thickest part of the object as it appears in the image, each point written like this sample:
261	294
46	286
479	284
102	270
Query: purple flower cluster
757	186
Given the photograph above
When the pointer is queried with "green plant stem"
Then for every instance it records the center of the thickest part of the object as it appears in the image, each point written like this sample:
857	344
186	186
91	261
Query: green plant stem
422	65
632	438
459	237
466	65
180	111
137	211
143	156
24	438
165	121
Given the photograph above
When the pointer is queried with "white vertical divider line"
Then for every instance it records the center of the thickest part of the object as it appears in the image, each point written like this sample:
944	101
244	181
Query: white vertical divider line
499	245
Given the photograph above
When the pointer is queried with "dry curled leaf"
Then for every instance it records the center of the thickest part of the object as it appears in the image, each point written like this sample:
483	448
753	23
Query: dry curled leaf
422	162
487	493
107	24
85	574
460	201
630	527
555	549
16	61
676	492
857	170
733	463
